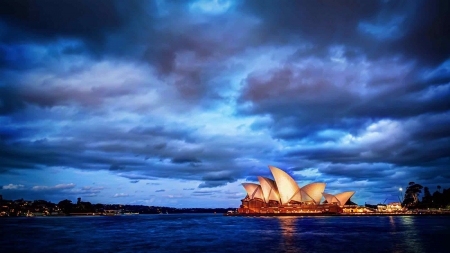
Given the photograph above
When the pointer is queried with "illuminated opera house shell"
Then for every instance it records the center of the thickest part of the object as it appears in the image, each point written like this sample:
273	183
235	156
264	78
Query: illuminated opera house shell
285	191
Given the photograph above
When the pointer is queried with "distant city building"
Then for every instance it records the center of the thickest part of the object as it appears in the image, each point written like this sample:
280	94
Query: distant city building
394	206
391	207
381	208
283	195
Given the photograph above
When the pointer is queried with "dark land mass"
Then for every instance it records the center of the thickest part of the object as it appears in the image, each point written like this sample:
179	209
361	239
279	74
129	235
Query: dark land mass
21	207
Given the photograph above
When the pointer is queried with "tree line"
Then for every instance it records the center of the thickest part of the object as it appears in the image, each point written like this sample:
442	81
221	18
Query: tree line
439	199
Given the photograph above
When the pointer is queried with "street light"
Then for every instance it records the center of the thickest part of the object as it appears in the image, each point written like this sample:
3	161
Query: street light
401	195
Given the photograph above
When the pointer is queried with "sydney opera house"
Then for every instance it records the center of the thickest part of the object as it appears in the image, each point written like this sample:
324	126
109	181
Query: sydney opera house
283	196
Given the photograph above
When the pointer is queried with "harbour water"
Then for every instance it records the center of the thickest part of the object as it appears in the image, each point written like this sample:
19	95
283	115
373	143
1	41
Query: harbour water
217	233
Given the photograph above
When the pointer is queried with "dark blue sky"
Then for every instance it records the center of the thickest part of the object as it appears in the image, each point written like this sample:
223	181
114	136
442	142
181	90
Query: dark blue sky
178	102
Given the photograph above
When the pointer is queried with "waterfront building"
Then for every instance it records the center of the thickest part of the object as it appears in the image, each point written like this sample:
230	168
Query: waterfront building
355	209
394	207
391	207
283	195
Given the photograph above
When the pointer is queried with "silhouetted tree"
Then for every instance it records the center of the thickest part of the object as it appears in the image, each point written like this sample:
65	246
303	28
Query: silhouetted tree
427	198
66	206
439	188
437	199
412	194
99	207
446	197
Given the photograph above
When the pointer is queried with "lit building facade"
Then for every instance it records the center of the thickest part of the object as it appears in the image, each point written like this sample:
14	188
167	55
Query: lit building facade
282	195
391	207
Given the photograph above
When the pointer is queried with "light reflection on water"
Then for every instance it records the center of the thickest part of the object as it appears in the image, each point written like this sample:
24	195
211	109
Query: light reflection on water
290	234
411	234
216	233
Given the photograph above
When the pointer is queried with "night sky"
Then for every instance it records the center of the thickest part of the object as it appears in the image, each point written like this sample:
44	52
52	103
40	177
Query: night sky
177	103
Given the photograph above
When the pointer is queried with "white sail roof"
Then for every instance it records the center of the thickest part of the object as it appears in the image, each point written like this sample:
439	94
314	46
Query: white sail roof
269	189
313	192
340	198
330	198
287	187
344	197
253	190
284	189
298	196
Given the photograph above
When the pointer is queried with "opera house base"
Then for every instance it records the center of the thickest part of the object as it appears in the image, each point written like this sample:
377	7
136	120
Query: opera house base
289	210
279	214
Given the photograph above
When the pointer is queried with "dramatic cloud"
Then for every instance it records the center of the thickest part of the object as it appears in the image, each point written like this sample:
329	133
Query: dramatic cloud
200	96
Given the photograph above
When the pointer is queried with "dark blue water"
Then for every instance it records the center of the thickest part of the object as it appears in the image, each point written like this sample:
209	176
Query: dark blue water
216	233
